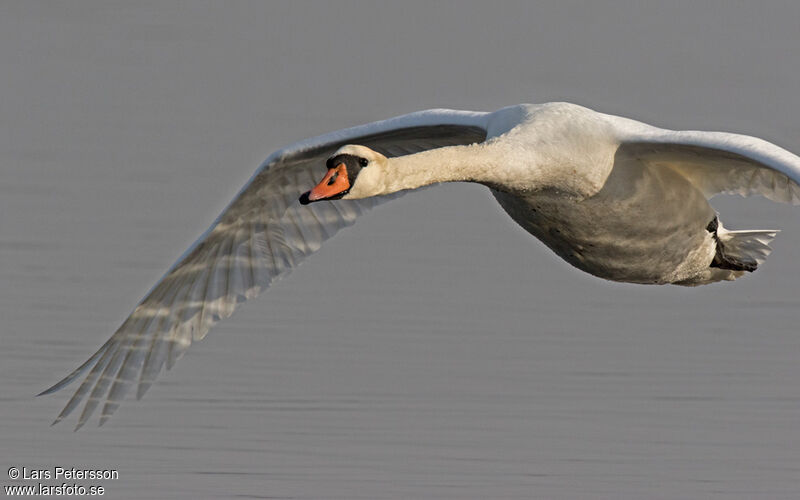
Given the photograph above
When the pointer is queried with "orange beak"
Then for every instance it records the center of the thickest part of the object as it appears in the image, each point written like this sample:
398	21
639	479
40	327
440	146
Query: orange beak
334	185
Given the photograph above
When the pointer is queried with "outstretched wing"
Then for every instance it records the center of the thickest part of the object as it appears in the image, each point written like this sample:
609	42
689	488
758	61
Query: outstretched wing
262	235
716	162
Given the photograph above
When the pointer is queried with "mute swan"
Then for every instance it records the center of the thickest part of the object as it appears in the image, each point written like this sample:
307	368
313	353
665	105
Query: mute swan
614	197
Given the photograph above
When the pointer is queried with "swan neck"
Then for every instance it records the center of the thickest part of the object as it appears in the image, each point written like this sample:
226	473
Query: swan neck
471	163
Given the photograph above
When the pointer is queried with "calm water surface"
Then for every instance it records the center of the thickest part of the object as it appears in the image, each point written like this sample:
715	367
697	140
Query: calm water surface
434	350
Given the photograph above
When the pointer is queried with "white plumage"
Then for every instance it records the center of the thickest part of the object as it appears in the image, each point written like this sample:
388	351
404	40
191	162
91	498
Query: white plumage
614	197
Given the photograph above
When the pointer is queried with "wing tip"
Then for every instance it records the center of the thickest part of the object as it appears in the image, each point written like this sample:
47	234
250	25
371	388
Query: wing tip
64	381
49	390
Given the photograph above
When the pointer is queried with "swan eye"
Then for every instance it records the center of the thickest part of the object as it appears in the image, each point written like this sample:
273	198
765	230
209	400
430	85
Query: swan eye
363	162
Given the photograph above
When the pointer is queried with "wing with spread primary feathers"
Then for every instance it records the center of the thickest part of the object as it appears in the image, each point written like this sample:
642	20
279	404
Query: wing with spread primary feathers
262	235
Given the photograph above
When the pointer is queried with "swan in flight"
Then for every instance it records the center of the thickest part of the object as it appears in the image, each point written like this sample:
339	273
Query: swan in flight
614	197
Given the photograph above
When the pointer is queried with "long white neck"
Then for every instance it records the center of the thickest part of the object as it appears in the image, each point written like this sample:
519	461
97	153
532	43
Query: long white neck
472	163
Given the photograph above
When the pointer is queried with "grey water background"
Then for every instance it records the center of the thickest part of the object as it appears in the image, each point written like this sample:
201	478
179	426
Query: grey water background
434	350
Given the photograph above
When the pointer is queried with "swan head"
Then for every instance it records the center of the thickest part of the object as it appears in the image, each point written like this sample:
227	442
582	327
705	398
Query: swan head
354	172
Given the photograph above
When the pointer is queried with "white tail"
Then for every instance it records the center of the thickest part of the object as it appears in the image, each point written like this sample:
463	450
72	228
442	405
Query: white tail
748	247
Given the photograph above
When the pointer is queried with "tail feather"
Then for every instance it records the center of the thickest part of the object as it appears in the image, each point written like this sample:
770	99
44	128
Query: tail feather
747	248
737	253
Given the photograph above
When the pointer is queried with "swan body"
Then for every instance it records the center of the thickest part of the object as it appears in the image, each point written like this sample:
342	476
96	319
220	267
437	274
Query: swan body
614	197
